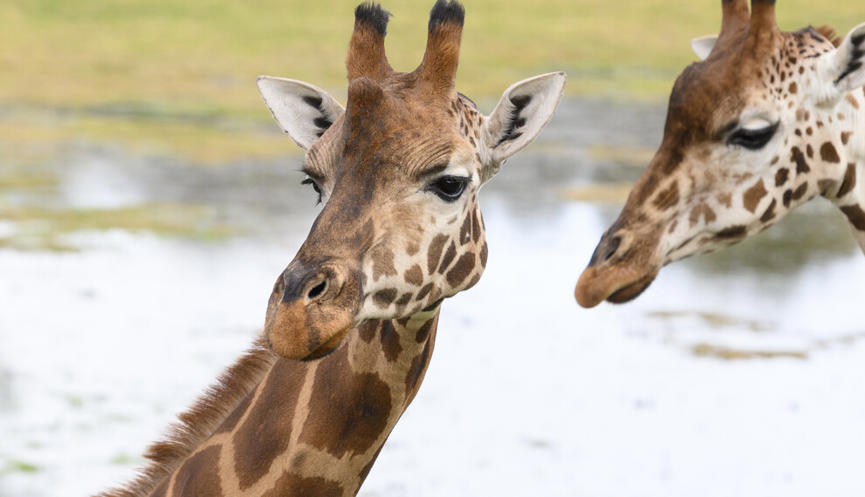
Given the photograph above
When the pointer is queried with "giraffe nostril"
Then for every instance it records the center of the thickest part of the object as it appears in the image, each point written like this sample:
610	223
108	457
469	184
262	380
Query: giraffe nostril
317	290
612	248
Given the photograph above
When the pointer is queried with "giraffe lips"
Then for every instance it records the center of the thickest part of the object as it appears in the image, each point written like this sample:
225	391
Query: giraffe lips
328	347
632	291
614	285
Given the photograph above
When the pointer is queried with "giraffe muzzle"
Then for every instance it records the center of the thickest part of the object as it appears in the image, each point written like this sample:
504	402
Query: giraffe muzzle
618	272
311	310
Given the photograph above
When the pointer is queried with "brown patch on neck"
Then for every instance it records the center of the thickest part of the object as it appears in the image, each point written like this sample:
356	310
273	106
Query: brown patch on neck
798	157
849	181
461	269
264	435
359	403
195	476
290	484
390	341
732	232
702	210
415	373
829	154
856	216
781	176
769	214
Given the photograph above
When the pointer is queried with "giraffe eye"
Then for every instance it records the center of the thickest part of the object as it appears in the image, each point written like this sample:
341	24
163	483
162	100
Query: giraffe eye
449	188
310	181
753	139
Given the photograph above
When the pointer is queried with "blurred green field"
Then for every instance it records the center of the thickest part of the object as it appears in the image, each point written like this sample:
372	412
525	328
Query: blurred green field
177	77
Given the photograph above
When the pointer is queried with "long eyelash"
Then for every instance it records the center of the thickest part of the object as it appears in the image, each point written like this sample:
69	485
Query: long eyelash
753	139
310	181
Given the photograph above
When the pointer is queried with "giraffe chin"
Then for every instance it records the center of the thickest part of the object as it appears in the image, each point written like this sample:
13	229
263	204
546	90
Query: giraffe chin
292	333
632	291
596	286
328	347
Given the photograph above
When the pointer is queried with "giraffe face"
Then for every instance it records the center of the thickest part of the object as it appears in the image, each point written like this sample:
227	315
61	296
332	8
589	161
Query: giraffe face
398	173
751	133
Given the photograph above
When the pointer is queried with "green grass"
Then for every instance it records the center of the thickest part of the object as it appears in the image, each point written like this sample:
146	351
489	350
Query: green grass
44	229
21	467
198	59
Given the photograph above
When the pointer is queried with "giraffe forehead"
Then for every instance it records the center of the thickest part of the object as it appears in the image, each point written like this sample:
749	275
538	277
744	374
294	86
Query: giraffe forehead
712	94
400	140
706	96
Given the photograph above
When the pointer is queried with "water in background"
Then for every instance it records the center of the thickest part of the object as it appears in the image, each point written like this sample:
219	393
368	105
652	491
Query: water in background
738	373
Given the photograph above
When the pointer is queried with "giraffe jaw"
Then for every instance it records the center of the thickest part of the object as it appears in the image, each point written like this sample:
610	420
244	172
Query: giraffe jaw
614	285
294	331
326	348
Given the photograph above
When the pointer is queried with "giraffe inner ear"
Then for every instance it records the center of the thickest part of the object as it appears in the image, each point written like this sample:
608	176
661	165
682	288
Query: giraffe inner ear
703	46
302	110
520	115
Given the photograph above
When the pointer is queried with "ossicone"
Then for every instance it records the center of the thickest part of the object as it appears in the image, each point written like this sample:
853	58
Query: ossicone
441	58
366	54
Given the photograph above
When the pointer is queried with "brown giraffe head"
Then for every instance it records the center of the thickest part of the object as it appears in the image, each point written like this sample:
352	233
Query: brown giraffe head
763	124
398	173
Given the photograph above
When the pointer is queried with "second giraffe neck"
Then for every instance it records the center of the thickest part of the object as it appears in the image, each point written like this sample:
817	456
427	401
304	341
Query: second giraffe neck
313	428
849	194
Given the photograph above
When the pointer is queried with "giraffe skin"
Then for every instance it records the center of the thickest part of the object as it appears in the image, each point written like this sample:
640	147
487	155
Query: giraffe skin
768	121
351	322
305	426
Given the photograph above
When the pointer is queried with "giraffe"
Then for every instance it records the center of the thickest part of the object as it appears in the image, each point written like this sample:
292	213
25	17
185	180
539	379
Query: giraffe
765	122
351	322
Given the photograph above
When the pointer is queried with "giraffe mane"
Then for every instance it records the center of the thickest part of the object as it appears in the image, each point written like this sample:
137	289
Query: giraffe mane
200	421
830	34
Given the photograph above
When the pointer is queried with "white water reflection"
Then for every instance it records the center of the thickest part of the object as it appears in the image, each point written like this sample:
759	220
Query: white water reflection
527	394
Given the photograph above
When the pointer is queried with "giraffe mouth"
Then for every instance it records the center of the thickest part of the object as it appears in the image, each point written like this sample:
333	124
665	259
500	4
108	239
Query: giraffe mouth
632	290
614	286
328	347
294	331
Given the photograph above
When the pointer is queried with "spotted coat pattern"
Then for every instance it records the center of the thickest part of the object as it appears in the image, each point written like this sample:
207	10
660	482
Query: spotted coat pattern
360	302
715	180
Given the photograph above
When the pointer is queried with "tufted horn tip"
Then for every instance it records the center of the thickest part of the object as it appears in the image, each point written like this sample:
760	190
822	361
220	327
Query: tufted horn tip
446	11
372	15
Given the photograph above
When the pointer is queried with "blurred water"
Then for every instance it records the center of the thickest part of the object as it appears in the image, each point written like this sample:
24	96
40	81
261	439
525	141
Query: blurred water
527	394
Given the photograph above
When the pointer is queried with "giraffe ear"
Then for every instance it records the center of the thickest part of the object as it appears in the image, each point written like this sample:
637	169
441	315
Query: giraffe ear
519	116
845	66
301	110
703	46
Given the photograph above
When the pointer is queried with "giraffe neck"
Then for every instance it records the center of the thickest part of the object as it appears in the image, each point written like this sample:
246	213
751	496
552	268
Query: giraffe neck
309	429
849	172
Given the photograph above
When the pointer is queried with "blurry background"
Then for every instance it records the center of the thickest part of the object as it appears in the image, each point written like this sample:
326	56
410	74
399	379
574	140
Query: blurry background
148	201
